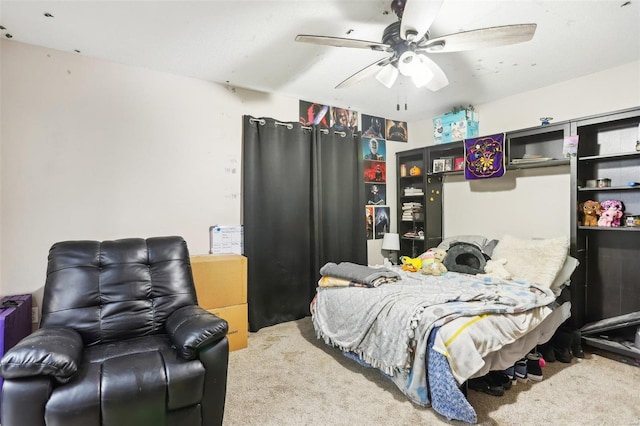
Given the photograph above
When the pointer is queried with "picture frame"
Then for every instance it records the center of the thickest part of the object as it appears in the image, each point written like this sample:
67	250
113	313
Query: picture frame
438	165
448	164
459	163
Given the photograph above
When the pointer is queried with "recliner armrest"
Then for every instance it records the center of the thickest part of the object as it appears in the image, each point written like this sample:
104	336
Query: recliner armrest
52	352
191	328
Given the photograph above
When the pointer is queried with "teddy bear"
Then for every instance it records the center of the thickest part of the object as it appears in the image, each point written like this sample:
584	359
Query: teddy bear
434	266
611	213
590	210
495	268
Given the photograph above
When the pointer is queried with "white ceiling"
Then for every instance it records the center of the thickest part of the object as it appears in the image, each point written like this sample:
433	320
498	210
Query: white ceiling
250	44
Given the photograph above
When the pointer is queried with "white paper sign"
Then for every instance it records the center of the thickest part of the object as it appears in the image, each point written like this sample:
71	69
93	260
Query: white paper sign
226	239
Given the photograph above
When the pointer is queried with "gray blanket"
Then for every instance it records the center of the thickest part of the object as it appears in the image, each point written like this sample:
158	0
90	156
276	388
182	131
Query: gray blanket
359	273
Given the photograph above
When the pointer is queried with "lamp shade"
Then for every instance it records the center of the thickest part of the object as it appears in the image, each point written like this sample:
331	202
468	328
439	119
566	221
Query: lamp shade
387	75
391	241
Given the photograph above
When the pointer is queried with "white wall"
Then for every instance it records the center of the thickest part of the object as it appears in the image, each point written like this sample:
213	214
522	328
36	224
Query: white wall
97	150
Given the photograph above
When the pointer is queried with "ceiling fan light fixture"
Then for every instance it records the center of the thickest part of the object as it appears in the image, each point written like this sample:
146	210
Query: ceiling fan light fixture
387	75
422	74
406	63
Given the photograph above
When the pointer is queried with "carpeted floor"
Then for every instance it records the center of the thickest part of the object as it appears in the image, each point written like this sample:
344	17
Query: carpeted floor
288	377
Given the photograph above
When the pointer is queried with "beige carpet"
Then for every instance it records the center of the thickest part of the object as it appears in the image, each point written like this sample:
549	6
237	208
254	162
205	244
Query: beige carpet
288	377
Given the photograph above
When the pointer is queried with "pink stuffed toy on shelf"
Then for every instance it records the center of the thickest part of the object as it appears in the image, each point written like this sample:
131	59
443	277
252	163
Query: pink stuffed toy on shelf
611	213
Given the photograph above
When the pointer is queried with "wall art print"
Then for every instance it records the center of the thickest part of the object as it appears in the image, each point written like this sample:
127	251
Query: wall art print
397	131
373	127
375	171
314	113
484	157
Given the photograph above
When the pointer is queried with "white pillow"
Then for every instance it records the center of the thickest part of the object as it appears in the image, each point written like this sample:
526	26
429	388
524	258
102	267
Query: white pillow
537	261
564	275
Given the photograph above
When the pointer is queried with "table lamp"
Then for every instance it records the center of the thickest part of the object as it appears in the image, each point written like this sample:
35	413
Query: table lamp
391	243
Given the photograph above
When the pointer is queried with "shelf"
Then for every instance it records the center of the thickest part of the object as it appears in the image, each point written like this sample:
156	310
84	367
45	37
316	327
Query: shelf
447	173
611	157
537	164
611	188
610	228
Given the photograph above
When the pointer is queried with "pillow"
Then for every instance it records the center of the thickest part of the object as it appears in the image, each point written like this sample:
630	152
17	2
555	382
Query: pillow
484	243
564	275
537	261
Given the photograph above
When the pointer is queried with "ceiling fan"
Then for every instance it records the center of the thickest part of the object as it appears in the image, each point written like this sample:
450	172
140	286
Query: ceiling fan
408	41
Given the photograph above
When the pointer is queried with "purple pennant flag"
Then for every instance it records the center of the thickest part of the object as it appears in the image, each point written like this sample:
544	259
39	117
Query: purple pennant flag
484	157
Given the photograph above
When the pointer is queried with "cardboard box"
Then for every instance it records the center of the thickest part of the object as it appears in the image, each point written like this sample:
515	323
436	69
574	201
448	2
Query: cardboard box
455	126
221	280
237	317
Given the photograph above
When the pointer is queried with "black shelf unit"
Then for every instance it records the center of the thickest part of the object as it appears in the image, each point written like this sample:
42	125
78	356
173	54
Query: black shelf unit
411	191
542	141
606	284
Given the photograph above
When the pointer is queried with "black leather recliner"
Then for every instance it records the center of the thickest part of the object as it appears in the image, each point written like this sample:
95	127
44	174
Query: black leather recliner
121	341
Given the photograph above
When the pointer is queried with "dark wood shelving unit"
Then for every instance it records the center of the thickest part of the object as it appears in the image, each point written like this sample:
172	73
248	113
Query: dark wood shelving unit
606	284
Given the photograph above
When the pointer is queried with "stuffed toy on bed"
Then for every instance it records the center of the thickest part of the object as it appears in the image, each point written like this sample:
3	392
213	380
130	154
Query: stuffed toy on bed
411	264
495	268
434	265
590	211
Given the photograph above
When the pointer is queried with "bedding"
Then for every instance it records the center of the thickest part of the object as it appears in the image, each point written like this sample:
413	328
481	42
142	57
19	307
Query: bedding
429	334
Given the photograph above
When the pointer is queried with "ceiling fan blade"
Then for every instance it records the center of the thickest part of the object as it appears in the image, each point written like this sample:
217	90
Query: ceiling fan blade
439	79
482	38
364	73
343	42
417	17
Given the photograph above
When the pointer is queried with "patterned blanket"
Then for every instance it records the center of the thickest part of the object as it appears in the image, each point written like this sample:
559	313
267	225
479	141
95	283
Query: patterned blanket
389	326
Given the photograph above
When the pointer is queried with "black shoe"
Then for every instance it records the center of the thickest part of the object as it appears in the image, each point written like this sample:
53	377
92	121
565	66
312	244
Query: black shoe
534	369
561	343
481	384
576	344
498	378
547	352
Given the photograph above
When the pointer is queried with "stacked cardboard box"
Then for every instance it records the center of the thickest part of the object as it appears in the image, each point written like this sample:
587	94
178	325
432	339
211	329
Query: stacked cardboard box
221	287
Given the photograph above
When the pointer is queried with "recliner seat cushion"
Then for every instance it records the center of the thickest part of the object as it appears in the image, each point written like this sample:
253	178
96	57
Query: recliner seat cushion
109	374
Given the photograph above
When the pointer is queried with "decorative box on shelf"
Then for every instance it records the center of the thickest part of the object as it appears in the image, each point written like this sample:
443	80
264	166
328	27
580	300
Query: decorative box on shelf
455	126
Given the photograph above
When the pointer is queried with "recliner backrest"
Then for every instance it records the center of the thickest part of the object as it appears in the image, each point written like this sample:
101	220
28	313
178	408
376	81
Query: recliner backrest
114	290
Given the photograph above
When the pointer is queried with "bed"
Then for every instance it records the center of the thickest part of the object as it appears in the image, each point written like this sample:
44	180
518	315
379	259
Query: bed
430	334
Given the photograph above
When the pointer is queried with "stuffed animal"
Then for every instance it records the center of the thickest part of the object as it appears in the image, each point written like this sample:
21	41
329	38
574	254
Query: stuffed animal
611	213
411	264
495	268
590	211
435	266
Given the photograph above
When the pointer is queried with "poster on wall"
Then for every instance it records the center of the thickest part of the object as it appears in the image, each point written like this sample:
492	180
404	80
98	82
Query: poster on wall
375	193
373	149
484	157
373	127
375	171
314	113
369	220
381	221
344	120
397	131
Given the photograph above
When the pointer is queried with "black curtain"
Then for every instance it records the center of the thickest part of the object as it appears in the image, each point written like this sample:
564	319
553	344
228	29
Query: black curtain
303	206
